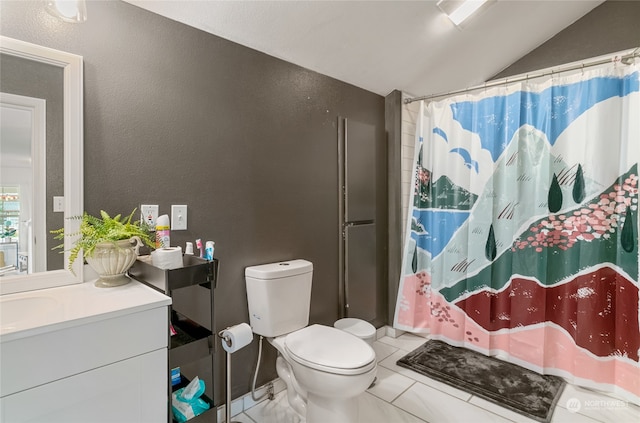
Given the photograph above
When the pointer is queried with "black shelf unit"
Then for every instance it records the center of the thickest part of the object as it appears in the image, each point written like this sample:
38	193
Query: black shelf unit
193	341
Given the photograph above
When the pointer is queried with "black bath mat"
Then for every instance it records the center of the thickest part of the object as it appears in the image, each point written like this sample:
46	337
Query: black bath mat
508	385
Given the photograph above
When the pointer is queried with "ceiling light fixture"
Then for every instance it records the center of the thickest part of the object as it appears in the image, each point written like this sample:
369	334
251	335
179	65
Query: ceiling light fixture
73	11
459	10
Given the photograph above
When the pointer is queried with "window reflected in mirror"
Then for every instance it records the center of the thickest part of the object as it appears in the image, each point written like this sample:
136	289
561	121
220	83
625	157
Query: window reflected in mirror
10	245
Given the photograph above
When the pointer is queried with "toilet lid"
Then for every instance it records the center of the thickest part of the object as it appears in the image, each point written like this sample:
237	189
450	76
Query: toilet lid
330	349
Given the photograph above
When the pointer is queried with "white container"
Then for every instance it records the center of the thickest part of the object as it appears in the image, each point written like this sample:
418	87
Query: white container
209	250
279	296
358	327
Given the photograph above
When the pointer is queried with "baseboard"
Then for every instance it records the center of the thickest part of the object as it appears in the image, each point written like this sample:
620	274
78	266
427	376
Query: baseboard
393	332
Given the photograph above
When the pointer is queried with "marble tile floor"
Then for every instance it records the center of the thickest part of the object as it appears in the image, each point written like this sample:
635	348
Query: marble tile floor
403	396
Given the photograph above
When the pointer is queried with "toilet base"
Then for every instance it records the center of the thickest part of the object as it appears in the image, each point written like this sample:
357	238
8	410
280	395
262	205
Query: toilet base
322	397
323	410
296	401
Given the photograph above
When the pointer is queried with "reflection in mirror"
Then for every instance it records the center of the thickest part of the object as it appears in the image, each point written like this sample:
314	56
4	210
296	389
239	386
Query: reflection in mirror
27	202
22	184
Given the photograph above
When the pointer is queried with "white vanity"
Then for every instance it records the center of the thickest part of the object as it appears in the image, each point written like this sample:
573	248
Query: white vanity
82	354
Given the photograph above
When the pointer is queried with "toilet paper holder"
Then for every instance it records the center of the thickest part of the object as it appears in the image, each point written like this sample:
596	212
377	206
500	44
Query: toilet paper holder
227	340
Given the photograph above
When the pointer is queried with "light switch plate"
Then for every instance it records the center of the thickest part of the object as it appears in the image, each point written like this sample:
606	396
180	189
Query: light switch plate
149	214
178	217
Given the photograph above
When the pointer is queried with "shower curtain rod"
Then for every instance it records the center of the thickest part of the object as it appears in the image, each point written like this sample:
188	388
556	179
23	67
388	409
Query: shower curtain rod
625	59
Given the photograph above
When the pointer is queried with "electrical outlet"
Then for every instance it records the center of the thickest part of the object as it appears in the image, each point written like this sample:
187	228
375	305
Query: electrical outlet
178	218
149	215
58	203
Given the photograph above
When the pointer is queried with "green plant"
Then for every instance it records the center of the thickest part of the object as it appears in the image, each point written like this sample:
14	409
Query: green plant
8	230
94	230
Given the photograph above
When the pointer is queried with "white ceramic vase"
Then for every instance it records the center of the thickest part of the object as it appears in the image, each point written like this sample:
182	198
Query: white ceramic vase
111	260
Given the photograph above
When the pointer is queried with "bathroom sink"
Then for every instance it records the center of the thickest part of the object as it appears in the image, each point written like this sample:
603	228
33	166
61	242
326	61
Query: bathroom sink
14	313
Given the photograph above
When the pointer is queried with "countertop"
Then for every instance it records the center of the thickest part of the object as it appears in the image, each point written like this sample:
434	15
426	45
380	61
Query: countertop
31	313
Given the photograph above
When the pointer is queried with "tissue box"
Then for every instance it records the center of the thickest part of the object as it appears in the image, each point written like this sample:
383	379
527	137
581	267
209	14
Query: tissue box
186	402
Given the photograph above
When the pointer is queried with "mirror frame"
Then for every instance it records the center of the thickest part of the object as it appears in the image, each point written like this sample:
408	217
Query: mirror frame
73	155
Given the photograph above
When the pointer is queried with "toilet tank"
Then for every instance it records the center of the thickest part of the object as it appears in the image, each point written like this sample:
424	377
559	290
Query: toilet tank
279	296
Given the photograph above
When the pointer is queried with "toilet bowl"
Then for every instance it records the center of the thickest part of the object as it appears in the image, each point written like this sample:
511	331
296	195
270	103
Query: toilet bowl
358	327
325	369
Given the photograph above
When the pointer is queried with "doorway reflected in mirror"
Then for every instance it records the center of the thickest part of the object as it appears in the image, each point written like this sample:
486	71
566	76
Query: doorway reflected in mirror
23	184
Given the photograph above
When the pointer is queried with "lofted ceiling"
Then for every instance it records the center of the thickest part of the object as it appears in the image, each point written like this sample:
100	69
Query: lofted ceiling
383	45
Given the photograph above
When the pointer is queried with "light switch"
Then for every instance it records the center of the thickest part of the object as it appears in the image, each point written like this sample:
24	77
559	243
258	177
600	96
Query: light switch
178	217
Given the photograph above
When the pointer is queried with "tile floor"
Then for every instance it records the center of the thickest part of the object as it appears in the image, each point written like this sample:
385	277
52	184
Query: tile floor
403	396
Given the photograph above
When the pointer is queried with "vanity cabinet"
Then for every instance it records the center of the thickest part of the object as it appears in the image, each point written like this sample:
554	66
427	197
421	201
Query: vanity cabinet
96	355
192	340
126	391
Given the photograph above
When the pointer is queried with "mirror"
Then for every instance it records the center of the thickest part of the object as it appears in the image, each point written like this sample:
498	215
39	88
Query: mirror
72	203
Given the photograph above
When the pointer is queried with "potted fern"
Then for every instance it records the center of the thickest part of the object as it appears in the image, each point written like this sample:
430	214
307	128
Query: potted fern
110	245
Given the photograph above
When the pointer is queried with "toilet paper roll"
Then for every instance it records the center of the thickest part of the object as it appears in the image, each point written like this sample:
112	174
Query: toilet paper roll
236	337
167	258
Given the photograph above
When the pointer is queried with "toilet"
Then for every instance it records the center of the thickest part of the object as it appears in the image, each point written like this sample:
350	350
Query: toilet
324	368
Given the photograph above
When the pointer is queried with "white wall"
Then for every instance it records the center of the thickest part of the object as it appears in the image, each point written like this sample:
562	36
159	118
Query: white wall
409	116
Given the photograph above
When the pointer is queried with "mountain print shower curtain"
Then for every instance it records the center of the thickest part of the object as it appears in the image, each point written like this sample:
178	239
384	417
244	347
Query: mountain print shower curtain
523	237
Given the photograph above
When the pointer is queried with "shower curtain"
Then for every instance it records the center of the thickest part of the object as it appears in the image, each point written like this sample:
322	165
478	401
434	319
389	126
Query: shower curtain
522	238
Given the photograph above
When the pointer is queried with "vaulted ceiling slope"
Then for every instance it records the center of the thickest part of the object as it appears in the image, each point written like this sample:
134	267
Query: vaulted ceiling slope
383	45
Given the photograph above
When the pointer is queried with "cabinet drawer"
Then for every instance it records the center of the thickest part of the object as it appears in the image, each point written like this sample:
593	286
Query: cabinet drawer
133	390
43	358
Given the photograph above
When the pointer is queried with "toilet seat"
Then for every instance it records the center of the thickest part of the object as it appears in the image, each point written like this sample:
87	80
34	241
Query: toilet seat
330	350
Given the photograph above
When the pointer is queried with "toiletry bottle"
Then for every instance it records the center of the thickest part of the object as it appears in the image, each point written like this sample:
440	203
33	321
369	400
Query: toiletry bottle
189	248
163	238
208	250
199	246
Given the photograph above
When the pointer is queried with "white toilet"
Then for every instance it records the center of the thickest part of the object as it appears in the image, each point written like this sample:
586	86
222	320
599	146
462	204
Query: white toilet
324	368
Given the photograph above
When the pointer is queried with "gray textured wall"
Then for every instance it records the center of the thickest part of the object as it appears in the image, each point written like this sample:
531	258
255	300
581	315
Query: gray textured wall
611	27
174	115
39	80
